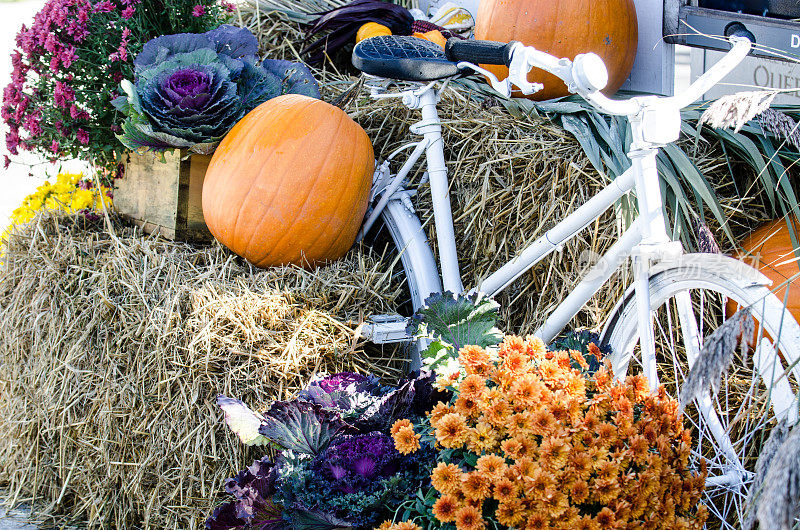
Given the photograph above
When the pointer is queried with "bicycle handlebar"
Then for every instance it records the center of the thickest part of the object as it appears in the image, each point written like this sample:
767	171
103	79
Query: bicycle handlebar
587	75
479	51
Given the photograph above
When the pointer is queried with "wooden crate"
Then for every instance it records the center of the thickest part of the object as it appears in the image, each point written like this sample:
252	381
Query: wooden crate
165	197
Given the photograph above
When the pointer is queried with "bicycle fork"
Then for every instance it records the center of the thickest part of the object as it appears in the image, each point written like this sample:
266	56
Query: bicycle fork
655	245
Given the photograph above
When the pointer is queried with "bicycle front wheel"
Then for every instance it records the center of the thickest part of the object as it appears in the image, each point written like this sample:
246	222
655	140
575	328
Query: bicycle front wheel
729	428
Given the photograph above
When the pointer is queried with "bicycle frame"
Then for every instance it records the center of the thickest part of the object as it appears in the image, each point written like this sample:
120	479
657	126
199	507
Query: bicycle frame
655	122
648	228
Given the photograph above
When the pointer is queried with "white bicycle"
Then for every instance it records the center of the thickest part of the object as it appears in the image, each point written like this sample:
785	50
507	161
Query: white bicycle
676	300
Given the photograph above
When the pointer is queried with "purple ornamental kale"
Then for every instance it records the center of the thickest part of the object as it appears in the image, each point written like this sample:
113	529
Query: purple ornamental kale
354	463
253	507
302	426
343	380
187	89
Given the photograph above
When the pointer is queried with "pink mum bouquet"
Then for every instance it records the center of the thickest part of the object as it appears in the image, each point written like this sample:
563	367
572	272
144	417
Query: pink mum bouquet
68	64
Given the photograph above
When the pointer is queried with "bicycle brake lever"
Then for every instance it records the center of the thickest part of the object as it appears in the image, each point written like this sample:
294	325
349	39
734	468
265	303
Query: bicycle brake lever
502	87
518	75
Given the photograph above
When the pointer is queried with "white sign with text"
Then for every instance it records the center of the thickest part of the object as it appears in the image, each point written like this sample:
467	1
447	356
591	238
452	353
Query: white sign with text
754	73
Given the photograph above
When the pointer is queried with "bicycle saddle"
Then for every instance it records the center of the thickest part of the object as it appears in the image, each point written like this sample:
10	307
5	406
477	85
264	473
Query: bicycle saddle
403	57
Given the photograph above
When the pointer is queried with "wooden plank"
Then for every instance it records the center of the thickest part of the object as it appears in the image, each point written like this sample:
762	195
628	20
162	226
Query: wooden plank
196	229
164	197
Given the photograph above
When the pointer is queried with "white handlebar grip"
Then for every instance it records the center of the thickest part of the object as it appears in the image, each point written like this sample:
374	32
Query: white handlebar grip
589	72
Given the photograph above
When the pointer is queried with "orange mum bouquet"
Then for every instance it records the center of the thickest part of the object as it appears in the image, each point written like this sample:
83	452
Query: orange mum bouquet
535	439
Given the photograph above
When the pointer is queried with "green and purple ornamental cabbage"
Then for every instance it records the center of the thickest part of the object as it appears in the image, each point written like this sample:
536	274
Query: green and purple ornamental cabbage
338	466
190	89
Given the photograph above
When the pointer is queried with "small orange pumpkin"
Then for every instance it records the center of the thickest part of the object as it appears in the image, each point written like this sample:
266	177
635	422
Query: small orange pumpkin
372	29
769	249
564	29
289	184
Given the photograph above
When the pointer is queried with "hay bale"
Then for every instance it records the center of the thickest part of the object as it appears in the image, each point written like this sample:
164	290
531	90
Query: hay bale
113	348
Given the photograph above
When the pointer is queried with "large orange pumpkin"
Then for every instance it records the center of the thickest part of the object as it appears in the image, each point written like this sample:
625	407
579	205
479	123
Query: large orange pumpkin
289	183
564	28
769	249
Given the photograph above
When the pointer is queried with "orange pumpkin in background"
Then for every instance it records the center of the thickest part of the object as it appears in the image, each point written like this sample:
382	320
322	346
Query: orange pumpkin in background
289	184
769	249
564	28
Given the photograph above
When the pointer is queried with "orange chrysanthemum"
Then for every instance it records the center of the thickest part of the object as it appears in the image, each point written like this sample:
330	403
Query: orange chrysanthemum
469	518
451	430
590	422
542	422
476	485
467	406
640	386
550	443
446	478
524	467
536	347
473	386
504	489
398	424
482	438
550	371
576	386
492	466
606	432
603	378
386	525
606	469
579	491
406	441
510	513
579	358
512	448
536	521
438	411
605	518
580	464
562	359
497	413
471	355
510	344
407	525
556	503
516	362
444	509
540	484
526	389
604	490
